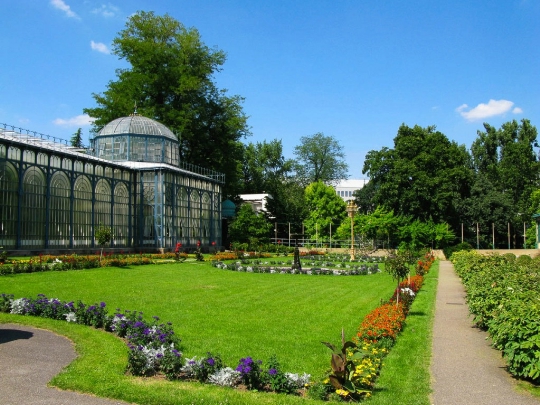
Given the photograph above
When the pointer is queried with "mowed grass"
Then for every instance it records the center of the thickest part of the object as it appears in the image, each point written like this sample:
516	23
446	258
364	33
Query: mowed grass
228	313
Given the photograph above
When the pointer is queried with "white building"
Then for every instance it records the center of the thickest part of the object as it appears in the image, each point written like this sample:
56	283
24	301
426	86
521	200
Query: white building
346	188
257	201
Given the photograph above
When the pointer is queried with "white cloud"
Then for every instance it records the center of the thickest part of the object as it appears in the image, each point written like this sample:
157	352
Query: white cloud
78	121
491	109
99	46
517	110
60	5
106	10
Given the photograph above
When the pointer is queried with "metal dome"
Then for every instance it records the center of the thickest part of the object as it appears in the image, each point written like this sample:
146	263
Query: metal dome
136	125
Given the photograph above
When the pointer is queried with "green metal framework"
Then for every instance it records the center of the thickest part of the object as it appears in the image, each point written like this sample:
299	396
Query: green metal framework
52	197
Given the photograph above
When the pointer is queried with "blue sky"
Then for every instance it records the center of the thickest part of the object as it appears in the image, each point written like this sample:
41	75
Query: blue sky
355	70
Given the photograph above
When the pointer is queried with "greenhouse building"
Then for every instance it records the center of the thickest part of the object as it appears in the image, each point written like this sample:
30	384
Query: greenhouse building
131	179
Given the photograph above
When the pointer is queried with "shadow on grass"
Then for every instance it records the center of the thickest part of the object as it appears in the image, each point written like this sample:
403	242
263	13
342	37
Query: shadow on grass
416	313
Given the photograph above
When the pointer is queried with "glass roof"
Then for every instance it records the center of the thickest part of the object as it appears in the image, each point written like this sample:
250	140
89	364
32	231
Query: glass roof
136	125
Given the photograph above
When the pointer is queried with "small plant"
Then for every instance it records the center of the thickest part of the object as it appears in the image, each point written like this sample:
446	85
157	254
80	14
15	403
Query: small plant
3	255
225	377
250	372
398	267
5	302
198	255
277	379
103	235
343	366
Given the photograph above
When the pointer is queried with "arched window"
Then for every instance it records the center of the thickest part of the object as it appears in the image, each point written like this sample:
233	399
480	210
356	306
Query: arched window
182	215
195	214
59	211
33	209
9	201
102	204
121	215
205	218
82	212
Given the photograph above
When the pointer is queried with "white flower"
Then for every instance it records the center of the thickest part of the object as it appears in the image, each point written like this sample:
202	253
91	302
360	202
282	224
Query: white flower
226	377
19	306
70	317
407	290
298	381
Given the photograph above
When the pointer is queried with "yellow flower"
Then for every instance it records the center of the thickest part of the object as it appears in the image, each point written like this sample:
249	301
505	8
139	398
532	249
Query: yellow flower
343	393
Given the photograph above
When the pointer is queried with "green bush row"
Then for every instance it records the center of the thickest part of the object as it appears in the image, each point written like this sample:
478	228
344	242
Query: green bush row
503	294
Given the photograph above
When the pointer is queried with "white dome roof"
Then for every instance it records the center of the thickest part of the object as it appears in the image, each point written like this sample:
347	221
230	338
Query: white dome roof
136	125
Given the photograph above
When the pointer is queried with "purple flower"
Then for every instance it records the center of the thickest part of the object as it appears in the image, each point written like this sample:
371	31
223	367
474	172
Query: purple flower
211	361
272	371
102	304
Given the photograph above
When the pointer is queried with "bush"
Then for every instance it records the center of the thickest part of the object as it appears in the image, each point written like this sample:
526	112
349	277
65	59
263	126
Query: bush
502	294
449	251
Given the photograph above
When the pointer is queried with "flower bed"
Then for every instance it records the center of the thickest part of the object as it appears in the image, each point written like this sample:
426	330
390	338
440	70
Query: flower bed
78	262
251	267
356	365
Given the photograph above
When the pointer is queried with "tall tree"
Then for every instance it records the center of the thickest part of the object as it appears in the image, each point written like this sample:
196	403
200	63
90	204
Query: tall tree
76	140
264	167
507	171
320	158
170	78
425	176
324	207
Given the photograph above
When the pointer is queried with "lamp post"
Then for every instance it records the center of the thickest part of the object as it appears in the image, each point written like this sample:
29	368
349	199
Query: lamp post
351	210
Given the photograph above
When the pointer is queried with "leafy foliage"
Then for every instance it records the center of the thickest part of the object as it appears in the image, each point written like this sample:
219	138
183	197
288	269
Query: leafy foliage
324	207
320	158
76	140
423	176
170	78
502	294
249	227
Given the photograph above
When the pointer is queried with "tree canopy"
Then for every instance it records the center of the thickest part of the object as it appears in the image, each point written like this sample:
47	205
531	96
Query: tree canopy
171	80
320	158
423	176
324	207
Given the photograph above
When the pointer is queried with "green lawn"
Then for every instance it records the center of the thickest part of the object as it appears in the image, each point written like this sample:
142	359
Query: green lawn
230	313
236	315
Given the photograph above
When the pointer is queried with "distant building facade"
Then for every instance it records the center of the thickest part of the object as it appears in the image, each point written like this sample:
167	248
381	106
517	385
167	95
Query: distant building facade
346	188
257	201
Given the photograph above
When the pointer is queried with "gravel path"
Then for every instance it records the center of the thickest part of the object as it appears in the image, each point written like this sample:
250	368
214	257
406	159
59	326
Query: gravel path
465	368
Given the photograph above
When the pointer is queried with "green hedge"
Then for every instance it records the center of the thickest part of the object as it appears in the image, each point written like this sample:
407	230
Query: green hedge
504	296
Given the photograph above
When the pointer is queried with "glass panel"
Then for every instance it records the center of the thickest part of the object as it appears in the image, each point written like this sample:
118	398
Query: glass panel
121	215
14	153
205	219
59	220
29	156
195	216
182	216
33	209
56	161
103	203
9	200
82	212
42	159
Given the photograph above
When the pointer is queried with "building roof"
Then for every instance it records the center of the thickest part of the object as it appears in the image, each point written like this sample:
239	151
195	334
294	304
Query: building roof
136	125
